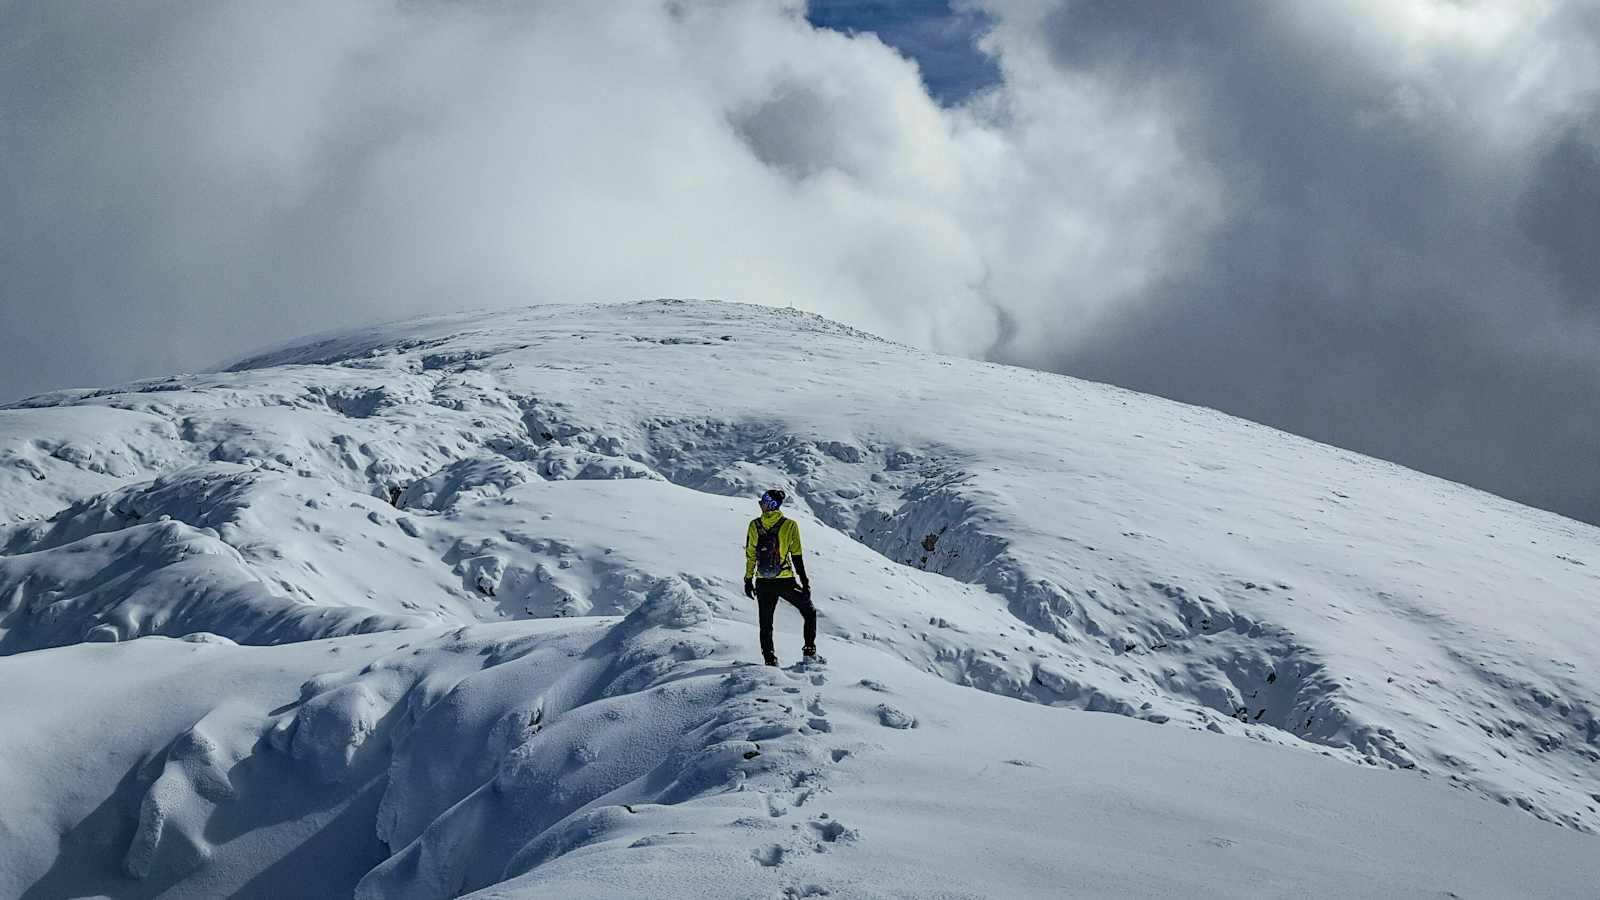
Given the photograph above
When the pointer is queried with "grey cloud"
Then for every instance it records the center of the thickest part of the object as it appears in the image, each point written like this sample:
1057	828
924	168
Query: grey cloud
1561	210
792	131
1375	285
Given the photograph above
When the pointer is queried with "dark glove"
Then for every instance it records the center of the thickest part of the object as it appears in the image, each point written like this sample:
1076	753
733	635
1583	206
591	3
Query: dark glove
750	589
805	591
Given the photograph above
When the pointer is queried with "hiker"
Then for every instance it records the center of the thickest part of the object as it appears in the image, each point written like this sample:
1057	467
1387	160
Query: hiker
771	562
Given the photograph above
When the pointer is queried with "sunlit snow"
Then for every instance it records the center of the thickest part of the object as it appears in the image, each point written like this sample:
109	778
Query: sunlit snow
454	605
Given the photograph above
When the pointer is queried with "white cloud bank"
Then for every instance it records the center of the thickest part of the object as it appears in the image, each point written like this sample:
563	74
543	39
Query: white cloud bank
252	167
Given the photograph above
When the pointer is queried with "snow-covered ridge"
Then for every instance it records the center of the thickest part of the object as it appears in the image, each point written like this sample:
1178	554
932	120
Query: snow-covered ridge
1033	536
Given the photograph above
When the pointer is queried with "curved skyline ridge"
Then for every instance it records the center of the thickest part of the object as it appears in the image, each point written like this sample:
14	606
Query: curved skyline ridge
1373	227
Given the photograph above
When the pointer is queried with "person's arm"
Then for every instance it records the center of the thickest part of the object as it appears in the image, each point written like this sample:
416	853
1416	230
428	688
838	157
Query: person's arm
797	559
750	560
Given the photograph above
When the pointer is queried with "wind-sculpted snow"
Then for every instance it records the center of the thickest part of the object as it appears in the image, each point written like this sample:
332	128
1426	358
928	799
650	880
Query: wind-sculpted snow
1032	536
163	578
637	757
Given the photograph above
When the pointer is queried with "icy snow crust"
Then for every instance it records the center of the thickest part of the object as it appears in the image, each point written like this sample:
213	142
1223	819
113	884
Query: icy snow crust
589	470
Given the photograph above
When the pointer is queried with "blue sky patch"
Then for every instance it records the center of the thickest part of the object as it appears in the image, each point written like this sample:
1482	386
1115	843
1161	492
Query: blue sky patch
942	40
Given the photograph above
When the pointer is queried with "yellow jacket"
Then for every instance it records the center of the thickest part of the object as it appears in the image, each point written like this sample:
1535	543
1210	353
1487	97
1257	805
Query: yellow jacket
788	543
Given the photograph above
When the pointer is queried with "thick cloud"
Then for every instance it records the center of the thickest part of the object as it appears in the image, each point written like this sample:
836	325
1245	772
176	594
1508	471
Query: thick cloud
1408	263
1372	222
1561	209
191	181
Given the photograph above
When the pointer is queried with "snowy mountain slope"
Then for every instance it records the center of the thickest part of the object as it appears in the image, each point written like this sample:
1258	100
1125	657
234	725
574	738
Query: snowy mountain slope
1033	536
639	757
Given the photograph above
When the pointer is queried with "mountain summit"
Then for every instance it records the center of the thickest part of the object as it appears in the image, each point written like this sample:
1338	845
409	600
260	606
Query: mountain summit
454	605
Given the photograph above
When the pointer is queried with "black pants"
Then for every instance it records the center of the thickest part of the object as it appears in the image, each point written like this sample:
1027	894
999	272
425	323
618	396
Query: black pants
768	590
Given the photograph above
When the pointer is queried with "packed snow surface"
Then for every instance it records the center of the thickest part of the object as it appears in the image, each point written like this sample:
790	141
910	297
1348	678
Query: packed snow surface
454	605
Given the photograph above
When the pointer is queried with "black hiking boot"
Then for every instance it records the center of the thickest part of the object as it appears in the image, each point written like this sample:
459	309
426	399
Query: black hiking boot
770	660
